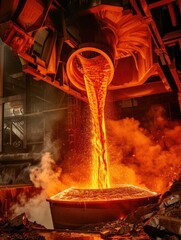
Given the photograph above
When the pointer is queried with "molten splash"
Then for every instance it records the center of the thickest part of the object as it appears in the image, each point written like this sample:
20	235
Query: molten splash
97	72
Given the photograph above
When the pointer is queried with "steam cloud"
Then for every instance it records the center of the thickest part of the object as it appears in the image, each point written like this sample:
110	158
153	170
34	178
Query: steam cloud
47	177
36	209
51	179
149	158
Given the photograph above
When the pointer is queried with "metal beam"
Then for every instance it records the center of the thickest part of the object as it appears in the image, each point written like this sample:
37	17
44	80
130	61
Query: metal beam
38	76
179	99
1	92
137	91
12	98
160	3
172	14
20	157
160	47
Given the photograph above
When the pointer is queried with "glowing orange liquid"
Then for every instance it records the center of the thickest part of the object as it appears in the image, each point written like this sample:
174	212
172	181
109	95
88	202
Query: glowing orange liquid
96	75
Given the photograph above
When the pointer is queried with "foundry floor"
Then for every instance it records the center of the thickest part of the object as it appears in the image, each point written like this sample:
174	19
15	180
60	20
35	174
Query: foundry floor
76	236
86	236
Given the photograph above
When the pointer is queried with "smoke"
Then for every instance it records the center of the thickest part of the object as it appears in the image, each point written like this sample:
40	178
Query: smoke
36	209
51	179
149	158
47	175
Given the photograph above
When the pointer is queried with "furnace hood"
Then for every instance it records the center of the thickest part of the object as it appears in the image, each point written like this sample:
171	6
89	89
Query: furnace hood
48	36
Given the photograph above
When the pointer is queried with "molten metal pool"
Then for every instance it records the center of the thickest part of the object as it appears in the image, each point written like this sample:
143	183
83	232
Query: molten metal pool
74	208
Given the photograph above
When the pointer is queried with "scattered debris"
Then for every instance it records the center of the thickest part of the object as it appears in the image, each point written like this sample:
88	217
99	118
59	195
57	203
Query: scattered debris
19	228
170	200
158	221
170	224
142	213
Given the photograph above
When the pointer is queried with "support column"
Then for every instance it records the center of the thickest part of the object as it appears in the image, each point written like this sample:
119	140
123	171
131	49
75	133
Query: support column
1	93
179	99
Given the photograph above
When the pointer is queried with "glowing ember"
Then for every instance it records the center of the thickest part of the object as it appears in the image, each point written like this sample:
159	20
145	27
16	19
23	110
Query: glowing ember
123	192
97	73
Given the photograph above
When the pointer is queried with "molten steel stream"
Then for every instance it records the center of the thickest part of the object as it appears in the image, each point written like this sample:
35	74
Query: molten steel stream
97	72
76	207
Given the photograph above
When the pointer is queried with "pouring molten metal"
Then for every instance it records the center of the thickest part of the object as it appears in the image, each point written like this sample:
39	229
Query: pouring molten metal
75	207
92	69
97	73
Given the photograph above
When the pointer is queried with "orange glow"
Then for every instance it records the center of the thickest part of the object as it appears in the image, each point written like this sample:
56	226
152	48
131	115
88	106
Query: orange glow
96	76
149	160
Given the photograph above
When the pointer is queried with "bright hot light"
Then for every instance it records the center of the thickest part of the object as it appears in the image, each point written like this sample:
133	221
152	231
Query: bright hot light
97	73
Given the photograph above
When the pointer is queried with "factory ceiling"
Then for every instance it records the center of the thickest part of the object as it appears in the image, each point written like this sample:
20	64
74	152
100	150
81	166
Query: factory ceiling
141	40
